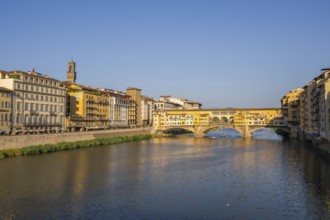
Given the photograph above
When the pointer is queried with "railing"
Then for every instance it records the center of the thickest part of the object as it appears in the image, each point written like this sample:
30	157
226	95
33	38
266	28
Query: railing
33	112
53	113
31	124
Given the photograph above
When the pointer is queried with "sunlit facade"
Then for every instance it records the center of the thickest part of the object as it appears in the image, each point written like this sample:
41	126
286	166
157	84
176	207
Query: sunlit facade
38	103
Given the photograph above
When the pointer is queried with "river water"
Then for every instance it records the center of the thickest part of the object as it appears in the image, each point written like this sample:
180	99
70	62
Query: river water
177	177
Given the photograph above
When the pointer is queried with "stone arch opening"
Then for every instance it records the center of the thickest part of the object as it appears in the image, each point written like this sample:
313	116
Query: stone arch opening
216	120
263	132
178	130
231	119
224	119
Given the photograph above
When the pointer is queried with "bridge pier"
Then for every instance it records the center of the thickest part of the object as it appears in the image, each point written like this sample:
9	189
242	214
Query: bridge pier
246	133
199	131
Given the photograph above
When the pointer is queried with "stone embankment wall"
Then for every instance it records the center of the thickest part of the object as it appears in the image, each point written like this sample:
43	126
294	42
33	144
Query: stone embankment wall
323	146
20	141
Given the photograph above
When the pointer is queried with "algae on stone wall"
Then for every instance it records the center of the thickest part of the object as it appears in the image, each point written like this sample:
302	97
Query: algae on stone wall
47	148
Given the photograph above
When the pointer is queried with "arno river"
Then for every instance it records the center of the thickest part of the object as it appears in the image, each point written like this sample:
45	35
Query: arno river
171	178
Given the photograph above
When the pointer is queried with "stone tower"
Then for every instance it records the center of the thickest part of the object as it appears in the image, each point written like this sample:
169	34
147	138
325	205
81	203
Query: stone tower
135	94
71	74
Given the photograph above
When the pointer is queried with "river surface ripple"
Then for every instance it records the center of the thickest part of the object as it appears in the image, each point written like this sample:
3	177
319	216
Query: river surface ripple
171	178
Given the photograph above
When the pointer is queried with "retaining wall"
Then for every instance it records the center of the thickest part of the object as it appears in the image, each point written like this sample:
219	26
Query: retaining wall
20	141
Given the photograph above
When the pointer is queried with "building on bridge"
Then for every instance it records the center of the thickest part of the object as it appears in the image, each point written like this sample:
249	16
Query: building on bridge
183	103
200	121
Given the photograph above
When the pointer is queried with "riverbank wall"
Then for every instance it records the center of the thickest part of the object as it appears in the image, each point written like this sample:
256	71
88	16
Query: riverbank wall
21	141
314	141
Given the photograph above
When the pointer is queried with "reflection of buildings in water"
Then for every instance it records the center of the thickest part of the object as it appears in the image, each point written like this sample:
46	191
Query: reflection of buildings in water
316	166
255	156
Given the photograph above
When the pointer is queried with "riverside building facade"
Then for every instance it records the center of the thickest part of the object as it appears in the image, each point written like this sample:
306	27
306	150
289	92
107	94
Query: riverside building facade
147	105
135	114
291	111
38	102
311	106
119	106
5	110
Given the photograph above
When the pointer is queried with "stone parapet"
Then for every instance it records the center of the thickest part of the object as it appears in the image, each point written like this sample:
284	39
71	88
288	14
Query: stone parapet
20	141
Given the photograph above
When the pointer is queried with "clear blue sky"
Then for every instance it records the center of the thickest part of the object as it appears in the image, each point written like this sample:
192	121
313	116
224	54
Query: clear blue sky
223	53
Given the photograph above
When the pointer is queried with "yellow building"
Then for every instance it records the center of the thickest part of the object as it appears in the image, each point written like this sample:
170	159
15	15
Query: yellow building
87	108
291	110
132	113
313	108
261	117
238	117
324	105
136	107
5	110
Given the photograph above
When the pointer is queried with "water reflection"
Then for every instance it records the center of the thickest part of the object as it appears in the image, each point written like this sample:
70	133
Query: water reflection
175	177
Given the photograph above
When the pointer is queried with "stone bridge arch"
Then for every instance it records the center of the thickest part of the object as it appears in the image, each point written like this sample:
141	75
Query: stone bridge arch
187	128
253	129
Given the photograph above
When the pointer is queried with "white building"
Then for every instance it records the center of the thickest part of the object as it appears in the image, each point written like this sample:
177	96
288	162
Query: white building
147	105
38	101
185	103
119	105
163	105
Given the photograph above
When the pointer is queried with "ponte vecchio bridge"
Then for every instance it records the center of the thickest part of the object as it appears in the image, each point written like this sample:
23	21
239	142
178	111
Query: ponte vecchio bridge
200	121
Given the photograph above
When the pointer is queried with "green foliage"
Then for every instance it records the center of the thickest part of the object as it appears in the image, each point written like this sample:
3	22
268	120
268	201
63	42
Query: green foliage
47	148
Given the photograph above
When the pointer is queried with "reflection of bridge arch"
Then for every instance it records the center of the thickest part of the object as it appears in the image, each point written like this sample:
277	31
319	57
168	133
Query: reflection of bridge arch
228	127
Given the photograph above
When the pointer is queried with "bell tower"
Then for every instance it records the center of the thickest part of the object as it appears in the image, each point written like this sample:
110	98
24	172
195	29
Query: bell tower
71	73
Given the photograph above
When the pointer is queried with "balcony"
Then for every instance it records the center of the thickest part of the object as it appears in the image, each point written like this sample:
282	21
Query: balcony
33	112
31	124
53	113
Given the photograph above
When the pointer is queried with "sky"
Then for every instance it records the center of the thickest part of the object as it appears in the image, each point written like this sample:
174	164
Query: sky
222	53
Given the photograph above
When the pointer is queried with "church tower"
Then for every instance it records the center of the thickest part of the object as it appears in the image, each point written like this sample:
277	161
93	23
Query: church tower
71	74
